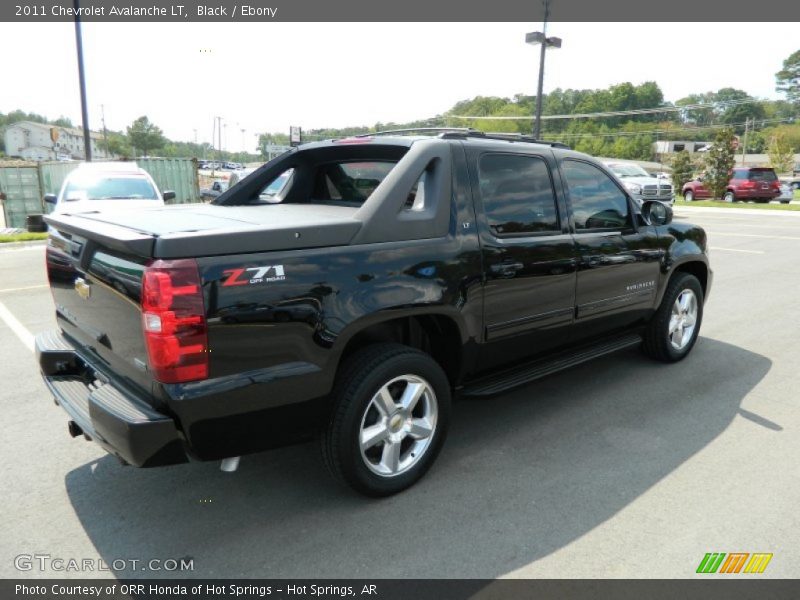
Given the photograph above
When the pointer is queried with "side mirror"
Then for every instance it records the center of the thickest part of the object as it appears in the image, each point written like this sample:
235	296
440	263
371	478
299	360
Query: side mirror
656	213
168	195
50	198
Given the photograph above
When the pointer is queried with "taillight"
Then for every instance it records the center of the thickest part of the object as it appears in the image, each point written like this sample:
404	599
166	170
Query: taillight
174	322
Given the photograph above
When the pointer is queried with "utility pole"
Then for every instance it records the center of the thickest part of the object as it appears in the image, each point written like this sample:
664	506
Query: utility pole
744	145
105	132
87	140
540	37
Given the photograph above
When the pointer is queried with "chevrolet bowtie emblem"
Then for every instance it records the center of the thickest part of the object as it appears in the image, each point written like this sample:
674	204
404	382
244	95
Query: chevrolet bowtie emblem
84	289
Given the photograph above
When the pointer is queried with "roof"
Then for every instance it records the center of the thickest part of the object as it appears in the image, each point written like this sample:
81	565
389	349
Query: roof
71	130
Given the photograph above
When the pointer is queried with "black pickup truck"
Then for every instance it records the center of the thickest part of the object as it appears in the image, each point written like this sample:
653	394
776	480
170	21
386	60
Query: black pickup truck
388	274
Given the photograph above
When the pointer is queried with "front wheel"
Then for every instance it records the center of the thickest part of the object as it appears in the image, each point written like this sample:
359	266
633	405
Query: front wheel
688	195
673	330
390	417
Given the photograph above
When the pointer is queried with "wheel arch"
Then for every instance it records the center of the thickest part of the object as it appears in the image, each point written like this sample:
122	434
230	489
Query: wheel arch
438	334
694	267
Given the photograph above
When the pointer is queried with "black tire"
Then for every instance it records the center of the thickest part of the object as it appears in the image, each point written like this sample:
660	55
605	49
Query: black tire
359	380
729	196
657	343
688	196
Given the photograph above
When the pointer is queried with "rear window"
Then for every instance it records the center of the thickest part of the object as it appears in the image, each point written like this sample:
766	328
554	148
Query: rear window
93	187
762	175
351	182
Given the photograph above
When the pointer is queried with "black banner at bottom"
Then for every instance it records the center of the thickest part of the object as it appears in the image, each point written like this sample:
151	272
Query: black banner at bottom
398	589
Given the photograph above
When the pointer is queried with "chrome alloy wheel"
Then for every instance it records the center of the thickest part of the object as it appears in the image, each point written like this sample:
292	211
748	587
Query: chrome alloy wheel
398	425
683	319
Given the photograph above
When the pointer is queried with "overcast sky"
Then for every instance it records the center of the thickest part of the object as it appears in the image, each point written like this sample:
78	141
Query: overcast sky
268	76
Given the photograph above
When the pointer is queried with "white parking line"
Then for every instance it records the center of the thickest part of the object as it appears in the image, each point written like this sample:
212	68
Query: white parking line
755	235
21	289
737	250
25	336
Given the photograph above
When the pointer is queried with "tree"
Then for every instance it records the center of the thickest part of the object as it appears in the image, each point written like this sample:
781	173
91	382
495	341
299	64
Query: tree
118	145
145	136
719	163
682	169
781	156
788	79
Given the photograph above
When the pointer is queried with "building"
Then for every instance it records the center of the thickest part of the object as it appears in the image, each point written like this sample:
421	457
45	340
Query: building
38	141
670	147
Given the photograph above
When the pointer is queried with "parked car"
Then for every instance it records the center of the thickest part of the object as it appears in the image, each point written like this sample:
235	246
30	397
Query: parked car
107	186
641	185
385	274
787	193
794	179
759	184
217	187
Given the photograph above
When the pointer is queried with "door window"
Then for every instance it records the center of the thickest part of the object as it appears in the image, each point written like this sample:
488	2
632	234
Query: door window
597	202
517	194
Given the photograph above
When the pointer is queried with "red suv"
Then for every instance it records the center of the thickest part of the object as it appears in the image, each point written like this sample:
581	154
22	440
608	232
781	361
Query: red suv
747	183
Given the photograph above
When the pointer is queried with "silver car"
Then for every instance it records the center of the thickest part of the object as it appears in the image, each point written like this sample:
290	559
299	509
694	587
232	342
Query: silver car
640	184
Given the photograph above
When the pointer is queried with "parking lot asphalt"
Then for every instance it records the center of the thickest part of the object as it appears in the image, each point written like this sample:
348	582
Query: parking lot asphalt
621	467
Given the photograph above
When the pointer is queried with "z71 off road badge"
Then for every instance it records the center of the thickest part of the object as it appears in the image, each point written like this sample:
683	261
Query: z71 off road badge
253	275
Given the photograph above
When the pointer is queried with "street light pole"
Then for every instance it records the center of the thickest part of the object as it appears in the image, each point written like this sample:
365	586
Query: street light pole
87	140
540	37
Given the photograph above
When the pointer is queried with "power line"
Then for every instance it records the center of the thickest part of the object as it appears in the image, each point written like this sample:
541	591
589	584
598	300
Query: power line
616	113
762	122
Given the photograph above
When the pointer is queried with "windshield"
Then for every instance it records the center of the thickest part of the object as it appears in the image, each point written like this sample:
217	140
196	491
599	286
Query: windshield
628	171
99	187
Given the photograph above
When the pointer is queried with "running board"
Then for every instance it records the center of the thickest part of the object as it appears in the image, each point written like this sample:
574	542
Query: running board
525	373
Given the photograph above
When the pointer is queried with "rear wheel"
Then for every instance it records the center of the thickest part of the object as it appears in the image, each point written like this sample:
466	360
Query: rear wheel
688	195
729	197
673	330
390	419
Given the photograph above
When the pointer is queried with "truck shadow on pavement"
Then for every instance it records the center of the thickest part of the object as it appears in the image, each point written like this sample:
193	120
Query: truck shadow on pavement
521	476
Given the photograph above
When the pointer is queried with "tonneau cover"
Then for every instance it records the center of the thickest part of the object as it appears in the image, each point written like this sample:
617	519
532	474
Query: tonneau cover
195	230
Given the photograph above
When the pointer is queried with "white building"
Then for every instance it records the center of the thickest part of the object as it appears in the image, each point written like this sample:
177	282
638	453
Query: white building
37	141
670	147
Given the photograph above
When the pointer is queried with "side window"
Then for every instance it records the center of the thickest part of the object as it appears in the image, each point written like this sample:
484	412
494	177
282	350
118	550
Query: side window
416	197
517	194
597	202
272	192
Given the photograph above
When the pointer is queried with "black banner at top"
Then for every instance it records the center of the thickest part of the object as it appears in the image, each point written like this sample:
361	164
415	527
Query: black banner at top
186	11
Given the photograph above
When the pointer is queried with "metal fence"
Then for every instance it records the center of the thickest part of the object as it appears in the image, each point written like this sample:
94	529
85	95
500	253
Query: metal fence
25	184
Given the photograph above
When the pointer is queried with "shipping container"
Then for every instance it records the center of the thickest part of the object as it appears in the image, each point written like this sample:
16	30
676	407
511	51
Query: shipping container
26	183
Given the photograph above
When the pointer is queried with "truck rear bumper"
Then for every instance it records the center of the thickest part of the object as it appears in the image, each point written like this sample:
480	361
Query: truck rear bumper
122	424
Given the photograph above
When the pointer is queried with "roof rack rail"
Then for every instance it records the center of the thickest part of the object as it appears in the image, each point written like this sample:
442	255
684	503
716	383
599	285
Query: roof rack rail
419	129
465	132
508	137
